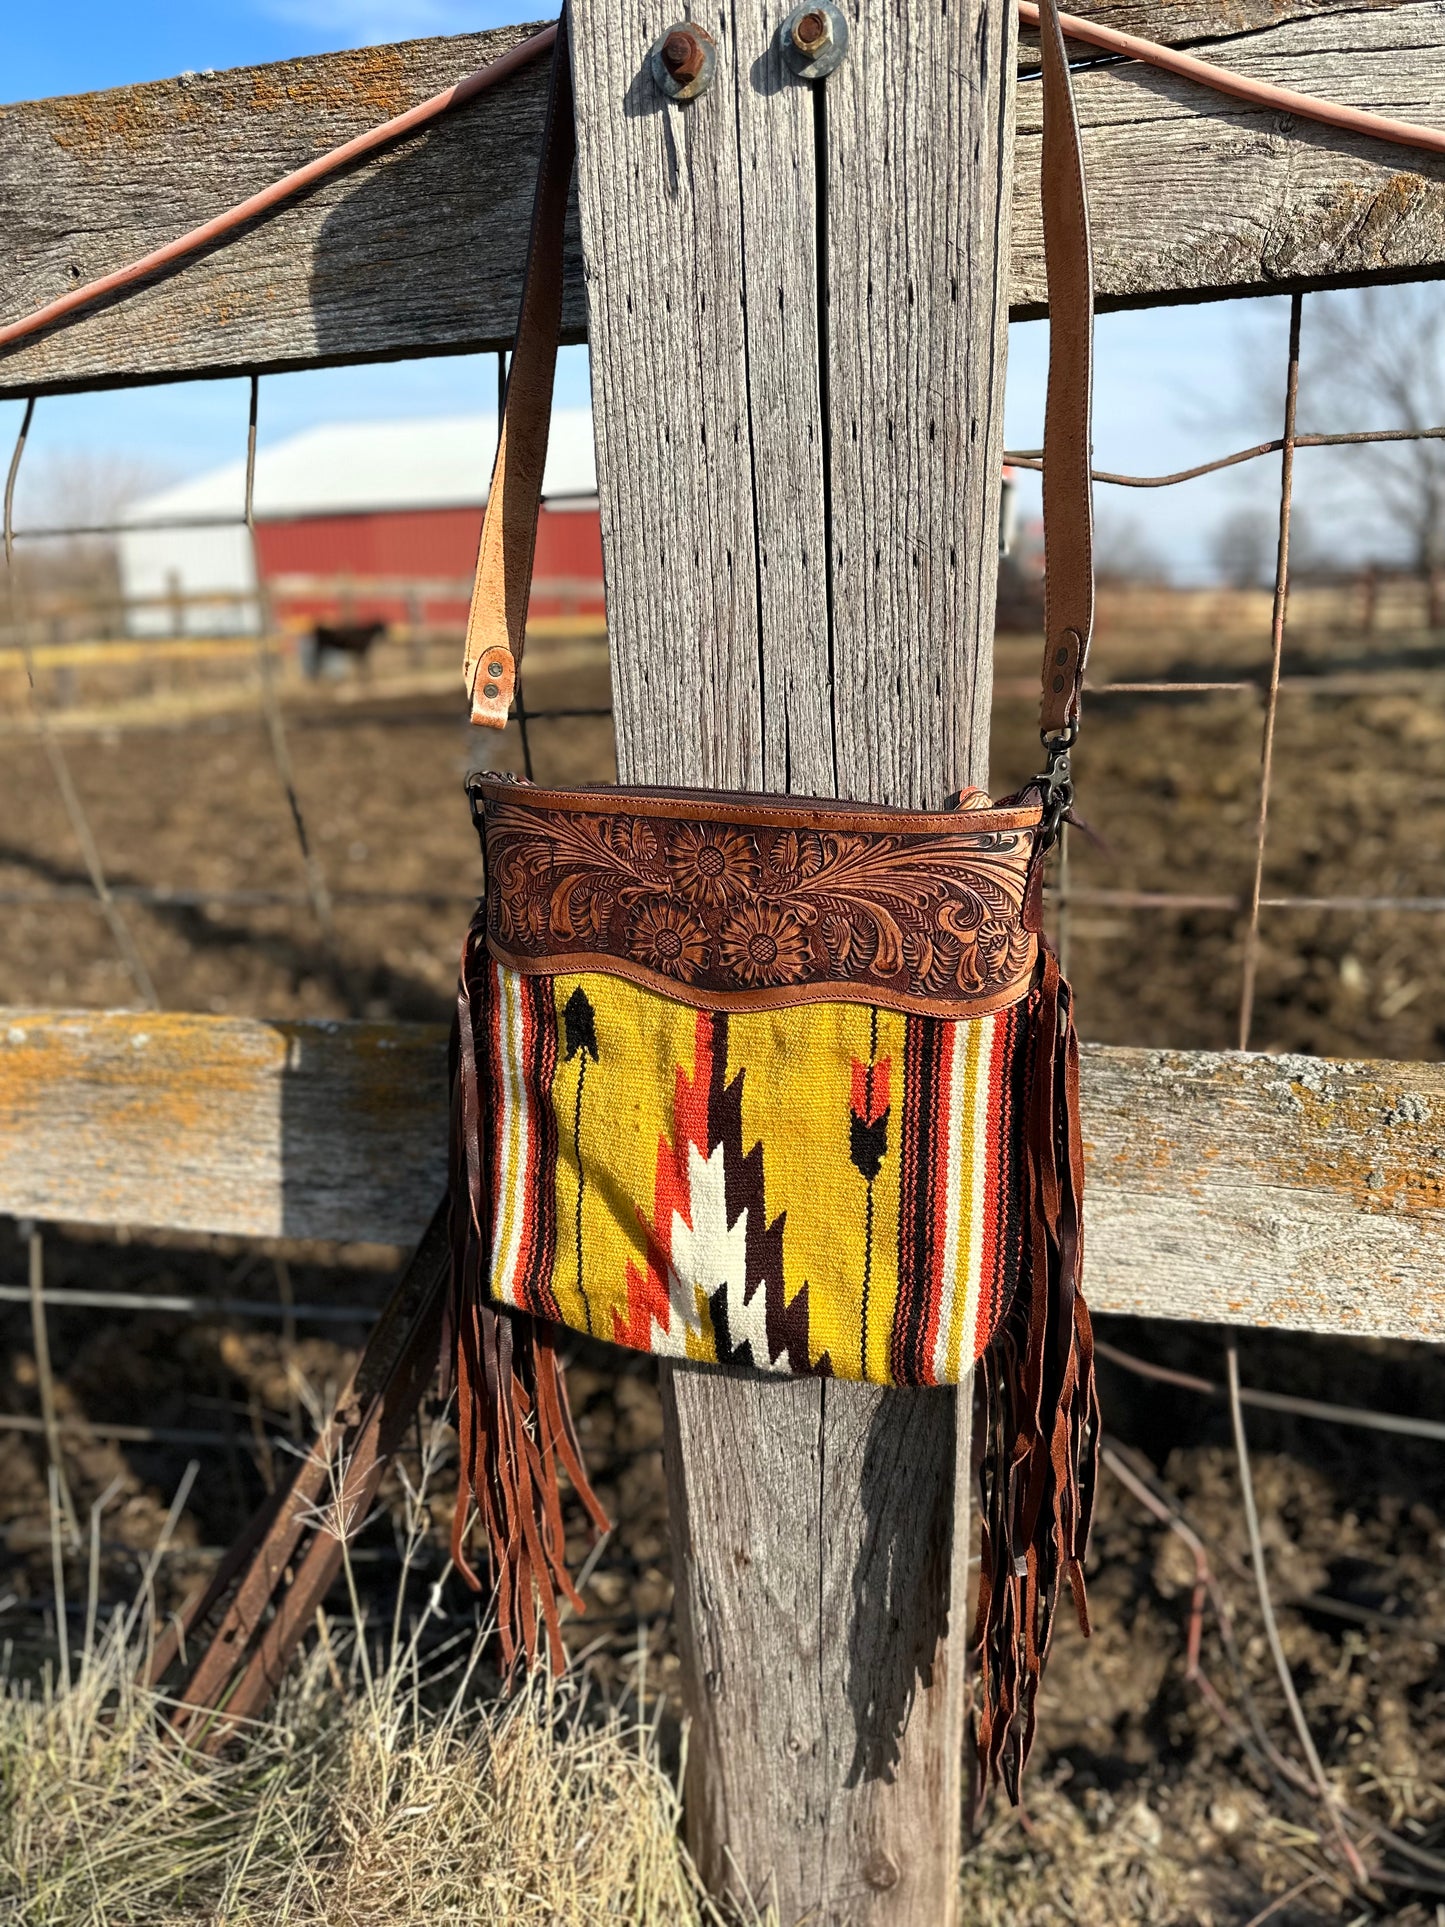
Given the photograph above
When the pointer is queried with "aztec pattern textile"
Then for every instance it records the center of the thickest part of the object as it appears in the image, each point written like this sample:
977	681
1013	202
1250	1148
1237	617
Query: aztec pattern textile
826	1187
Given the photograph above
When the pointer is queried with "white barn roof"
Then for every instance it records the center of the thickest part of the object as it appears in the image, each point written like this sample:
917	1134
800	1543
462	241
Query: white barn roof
354	467
345	468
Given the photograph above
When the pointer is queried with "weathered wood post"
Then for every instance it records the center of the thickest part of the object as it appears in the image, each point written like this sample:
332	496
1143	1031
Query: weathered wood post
798	318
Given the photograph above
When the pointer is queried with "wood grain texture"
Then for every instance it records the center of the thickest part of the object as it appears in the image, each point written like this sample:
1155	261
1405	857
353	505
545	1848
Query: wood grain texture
821	1576
663	247
1298	1192
918	212
1183	23
1196	195
419	251
1293	1191
221	1124
778	128
797	339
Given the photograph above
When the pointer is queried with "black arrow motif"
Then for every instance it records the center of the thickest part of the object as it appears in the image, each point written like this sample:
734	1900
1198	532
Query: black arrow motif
579	1033
579	1022
868	1143
868	1146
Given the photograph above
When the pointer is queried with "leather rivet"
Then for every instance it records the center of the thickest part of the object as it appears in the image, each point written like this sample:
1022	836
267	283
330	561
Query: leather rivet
489	690
1063	655
1058	684
494	669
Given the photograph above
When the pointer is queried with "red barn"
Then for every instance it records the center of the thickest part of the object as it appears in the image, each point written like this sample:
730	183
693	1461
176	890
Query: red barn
357	523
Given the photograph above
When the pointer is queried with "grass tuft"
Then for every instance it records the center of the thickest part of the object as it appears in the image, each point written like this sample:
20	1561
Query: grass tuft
379	1791
343	1807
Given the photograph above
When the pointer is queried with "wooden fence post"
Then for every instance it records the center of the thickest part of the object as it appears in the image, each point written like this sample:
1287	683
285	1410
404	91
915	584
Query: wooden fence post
798	306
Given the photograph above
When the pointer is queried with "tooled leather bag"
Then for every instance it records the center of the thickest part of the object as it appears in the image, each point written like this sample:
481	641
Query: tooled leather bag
777	1082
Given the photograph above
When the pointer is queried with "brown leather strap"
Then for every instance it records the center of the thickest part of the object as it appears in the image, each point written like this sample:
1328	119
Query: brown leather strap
497	620
1068	498
496	626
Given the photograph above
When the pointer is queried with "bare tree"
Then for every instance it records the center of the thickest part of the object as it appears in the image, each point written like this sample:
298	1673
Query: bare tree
1124	551
1375	358
74	488
1241	547
1244	547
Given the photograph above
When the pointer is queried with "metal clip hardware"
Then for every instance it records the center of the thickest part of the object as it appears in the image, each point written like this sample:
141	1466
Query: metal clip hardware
473	785
478	808
1056	784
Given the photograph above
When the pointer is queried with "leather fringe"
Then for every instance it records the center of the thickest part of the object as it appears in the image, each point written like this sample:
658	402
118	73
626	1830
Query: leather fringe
1038	1436
513	1420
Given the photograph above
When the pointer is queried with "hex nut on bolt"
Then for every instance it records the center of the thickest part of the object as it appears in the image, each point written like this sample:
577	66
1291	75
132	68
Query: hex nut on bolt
813	40
684	60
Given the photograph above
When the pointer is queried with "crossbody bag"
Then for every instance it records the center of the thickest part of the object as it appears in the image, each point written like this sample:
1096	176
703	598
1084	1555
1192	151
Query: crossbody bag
777	1083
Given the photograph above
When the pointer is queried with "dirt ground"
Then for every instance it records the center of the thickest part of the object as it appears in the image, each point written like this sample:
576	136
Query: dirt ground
1168	787
1155	1795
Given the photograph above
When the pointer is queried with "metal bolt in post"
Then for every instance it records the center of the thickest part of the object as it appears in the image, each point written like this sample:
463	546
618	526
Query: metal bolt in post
684	60
814	40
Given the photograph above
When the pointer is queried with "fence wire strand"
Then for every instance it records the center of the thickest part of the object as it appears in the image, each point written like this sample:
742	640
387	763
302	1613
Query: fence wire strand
1033	457
1278	617
120	930
271	705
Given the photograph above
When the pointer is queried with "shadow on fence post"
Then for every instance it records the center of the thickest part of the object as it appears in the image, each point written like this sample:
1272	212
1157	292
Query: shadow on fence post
797	311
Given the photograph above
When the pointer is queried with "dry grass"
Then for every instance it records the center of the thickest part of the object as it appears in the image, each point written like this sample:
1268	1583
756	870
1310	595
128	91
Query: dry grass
380	1791
346	1807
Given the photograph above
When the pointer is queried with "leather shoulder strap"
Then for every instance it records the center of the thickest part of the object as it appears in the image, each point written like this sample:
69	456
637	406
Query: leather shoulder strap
497	620
1068	440
496	625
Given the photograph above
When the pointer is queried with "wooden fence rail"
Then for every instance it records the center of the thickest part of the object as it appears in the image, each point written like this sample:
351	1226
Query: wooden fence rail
1252	1190
1193	196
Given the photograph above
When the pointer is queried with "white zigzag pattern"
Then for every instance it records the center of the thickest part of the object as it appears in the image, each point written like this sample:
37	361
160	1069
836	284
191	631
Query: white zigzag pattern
711	1253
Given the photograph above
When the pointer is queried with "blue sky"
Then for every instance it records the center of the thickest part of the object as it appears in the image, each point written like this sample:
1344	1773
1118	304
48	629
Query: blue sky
69	48
1174	385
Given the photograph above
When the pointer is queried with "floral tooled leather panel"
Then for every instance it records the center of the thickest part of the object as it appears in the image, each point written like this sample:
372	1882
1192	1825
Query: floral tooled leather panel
730	903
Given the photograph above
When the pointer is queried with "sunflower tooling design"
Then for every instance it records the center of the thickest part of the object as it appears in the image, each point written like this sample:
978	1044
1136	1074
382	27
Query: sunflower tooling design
725	911
709	864
764	943
667	937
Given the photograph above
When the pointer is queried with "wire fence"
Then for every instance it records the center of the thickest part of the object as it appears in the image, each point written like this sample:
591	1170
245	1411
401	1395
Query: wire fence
315	893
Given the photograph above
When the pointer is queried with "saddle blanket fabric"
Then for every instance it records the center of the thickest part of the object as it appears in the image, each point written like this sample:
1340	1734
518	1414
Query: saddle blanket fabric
823	1187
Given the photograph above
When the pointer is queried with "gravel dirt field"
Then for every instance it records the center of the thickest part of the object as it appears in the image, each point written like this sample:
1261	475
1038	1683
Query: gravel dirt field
1155	1796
